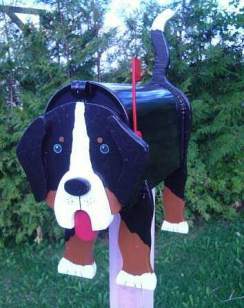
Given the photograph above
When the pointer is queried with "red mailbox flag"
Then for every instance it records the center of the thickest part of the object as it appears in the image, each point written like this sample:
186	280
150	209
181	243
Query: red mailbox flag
136	76
136	69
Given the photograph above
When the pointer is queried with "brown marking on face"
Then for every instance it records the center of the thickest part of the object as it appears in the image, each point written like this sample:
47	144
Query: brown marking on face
135	253
61	139
78	251
50	198
173	206
99	139
115	205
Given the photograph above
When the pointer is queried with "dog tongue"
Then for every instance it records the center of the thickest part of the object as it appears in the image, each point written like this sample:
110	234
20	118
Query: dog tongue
83	228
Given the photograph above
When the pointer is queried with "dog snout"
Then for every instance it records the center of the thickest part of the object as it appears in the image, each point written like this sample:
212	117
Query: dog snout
77	186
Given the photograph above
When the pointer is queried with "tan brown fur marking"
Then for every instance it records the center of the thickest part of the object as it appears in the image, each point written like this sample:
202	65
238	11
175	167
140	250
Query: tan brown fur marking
173	206
50	198
78	251
135	253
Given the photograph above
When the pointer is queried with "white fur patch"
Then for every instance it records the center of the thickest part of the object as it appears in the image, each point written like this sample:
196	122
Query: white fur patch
147	281
68	268
181	227
95	202
161	20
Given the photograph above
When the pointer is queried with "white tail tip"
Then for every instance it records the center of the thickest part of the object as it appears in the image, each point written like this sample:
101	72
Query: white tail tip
161	20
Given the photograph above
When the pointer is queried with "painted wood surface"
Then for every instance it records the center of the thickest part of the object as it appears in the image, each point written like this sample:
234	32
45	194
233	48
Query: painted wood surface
126	297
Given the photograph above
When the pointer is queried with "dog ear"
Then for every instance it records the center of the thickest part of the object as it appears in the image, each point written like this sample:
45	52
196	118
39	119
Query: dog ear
135	155
29	153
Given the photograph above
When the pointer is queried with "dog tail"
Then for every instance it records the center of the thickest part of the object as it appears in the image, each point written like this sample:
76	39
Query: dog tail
160	45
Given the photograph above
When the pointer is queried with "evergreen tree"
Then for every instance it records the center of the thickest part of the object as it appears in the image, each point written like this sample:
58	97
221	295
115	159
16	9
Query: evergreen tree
75	33
68	44
206	63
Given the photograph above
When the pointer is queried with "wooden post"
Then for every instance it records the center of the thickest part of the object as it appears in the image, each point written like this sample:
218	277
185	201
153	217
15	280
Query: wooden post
12	10
126	297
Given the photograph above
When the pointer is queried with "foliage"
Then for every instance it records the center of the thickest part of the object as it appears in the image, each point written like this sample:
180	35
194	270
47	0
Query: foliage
206	63
214	79
19	215
41	60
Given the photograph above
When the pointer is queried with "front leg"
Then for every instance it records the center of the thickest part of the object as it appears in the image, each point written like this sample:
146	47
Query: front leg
135	253
135	244
78	257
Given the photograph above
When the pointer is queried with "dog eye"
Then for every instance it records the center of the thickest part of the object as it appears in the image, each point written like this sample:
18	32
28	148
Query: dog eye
57	148
104	148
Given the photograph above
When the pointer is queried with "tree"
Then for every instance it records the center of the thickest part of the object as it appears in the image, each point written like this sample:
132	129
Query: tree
206	63
75	32
68	44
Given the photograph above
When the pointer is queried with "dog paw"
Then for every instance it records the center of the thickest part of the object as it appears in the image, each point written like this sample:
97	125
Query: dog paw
147	281
181	227
68	268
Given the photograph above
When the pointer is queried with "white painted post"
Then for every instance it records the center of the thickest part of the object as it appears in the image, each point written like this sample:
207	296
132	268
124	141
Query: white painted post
126	297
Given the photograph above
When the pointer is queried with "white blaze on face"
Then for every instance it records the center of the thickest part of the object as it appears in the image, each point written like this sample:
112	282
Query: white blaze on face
80	154
95	202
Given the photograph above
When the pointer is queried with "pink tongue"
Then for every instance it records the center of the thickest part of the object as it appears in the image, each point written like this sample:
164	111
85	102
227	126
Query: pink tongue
83	228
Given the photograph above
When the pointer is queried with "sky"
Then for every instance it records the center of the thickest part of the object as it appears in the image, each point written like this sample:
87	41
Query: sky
113	17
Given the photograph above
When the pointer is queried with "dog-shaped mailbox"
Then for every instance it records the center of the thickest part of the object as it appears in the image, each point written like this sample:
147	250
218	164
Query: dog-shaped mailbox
83	158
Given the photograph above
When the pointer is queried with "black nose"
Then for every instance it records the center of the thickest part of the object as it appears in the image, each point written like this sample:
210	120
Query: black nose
77	186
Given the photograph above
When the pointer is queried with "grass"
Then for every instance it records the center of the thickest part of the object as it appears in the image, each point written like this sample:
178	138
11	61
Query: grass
202	269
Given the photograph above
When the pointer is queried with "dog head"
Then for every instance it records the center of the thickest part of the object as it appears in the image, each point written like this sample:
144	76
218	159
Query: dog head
81	153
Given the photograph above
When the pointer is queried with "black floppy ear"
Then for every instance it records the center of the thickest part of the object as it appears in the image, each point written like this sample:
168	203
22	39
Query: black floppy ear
135	155
29	153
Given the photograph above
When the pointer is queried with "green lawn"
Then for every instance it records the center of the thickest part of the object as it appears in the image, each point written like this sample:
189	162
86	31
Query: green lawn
202	269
